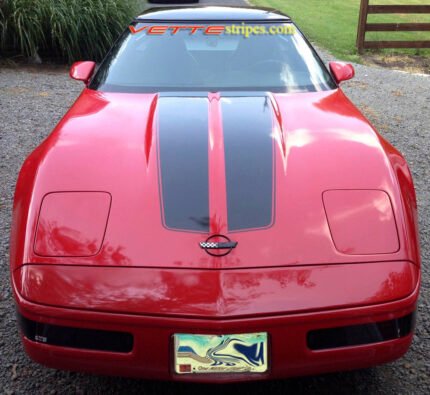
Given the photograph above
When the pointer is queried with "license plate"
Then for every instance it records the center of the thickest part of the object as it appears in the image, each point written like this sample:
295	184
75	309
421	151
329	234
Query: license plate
241	353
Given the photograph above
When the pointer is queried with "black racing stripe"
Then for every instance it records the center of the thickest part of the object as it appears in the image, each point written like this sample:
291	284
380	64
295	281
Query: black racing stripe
249	158
183	161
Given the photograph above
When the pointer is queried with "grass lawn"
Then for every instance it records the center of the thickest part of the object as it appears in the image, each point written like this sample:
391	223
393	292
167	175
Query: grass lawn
332	24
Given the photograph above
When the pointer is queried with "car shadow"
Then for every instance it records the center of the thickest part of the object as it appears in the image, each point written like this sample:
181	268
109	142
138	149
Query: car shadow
363	381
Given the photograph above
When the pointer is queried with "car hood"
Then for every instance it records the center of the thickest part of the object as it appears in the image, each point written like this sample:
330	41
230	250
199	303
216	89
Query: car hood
172	170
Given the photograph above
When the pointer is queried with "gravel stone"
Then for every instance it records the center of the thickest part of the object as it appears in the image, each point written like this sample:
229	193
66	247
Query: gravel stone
32	101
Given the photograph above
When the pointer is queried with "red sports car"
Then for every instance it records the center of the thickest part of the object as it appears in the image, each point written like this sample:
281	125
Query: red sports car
214	208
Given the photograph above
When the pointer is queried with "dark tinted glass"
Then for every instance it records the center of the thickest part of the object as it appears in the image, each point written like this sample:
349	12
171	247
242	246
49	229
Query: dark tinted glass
199	62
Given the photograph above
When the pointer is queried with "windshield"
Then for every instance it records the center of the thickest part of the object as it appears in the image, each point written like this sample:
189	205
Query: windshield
211	57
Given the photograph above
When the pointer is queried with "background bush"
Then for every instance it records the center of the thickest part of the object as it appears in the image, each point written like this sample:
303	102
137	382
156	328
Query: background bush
64	29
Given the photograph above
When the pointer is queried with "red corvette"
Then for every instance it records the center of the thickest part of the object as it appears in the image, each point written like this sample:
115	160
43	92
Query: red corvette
214	208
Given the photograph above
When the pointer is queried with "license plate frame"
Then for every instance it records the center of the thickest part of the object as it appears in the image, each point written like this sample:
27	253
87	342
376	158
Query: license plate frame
221	354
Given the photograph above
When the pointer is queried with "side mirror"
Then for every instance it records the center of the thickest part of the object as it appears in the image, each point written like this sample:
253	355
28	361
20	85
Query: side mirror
82	71
342	71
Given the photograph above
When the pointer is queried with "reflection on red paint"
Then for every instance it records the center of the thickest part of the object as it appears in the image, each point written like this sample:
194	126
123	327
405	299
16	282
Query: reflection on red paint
218	294
72	224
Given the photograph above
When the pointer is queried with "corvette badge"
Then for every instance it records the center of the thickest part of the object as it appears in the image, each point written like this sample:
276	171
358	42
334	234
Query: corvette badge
218	245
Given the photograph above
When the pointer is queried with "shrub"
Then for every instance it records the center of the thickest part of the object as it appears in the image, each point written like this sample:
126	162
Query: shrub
65	29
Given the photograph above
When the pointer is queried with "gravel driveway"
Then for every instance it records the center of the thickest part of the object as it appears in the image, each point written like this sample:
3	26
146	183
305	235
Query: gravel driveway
32	102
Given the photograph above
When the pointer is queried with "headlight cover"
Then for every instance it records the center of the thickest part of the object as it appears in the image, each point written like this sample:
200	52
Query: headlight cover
72	224
361	221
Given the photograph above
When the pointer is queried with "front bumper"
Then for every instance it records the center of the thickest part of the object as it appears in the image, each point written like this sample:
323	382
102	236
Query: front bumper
290	347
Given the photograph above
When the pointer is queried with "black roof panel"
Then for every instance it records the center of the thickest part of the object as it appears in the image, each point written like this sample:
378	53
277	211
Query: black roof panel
212	13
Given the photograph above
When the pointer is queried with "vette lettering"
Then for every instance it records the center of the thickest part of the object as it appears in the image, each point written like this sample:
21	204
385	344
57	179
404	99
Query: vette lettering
193	29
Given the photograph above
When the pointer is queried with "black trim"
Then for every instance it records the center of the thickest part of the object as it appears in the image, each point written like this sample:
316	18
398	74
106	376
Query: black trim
221	13
82	338
208	20
171	1
356	335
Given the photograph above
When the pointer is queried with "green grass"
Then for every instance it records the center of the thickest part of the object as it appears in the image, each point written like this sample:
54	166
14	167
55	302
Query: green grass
67	30
332	24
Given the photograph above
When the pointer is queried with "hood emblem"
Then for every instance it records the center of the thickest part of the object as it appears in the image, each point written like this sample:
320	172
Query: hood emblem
218	245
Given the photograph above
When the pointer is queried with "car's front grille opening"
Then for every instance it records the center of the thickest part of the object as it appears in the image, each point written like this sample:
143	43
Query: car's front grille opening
356	335
89	339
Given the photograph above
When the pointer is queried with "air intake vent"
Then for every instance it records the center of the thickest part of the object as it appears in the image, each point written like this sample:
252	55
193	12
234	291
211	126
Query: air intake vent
356	335
89	339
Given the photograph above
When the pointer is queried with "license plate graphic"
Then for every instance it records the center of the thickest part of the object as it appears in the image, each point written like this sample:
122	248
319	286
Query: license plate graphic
242	353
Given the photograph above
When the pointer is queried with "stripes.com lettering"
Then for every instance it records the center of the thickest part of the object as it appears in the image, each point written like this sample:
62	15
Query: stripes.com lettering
243	29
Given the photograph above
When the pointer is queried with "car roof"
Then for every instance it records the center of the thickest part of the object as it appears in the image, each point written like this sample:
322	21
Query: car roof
212	13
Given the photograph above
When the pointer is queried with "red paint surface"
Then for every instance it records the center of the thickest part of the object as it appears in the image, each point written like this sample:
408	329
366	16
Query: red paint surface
153	346
324	143
148	280
342	71
217	179
82	71
216	294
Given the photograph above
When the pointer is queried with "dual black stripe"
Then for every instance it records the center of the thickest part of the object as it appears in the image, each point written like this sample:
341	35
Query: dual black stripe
183	162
